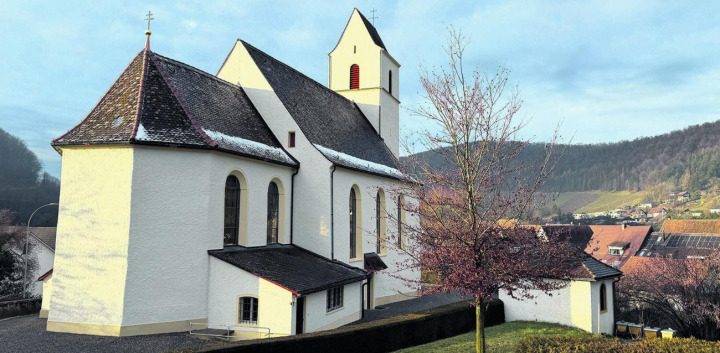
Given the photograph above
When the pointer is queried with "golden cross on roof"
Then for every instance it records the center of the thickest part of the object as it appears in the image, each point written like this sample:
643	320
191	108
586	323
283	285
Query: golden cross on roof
373	15
149	18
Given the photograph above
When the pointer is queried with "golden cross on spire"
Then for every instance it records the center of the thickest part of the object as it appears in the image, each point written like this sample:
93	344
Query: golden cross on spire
149	18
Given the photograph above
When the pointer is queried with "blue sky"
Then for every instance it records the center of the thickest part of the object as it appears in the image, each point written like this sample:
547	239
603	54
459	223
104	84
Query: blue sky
609	70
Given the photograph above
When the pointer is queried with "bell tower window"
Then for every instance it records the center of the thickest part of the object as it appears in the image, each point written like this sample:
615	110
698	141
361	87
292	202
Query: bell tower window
354	76
390	82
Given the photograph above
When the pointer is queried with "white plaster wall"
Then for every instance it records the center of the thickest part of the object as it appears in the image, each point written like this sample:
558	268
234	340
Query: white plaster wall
316	316
603	322
226	283
386	282
45	258
177	215
390	126
544	308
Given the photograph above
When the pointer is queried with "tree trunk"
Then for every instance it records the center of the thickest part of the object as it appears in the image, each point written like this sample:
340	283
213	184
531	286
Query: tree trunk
479	326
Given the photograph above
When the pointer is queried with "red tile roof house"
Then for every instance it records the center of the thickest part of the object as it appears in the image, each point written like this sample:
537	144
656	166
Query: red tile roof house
615	244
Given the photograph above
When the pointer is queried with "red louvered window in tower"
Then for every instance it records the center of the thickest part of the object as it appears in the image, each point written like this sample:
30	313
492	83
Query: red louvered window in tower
354	76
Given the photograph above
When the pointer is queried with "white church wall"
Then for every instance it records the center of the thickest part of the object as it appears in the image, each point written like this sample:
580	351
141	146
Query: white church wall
226	284
92	240
389	285
312	203
177	215
603	322
316	316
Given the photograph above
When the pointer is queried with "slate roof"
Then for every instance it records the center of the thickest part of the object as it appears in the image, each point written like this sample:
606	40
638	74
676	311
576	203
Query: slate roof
372	31
290	266
594	269
160	101
373	262
332	123
577	235
46	235
695	226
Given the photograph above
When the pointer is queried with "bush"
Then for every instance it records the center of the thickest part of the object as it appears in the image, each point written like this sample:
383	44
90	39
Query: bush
599	344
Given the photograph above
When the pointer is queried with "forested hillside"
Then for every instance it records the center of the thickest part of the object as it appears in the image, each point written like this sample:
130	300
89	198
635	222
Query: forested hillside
687	159
23	185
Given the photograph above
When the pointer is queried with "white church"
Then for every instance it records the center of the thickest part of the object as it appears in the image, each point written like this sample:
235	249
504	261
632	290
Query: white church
257	198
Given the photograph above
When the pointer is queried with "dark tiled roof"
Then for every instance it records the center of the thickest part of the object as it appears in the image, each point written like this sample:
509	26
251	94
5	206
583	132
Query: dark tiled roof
157	100
578	236
597	270
373	32
46	235
329	120
373	262
290	266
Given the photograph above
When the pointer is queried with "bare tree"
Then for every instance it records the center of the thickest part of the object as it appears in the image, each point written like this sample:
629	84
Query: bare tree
475	183
12	249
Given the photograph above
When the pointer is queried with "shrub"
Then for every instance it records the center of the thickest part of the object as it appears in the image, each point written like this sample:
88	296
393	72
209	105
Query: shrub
600	344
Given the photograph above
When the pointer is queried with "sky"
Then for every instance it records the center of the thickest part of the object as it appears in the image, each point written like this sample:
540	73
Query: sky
606	70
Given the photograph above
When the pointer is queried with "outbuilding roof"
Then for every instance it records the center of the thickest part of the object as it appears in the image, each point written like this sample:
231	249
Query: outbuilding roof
294	268
332	123
46	235
694	226
594	269
160	101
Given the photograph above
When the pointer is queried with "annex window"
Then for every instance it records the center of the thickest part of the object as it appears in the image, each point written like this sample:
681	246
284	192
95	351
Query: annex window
334	298
248	310
400	221
291	139
232	210
353	223
390	82
273	213
603	298
354	76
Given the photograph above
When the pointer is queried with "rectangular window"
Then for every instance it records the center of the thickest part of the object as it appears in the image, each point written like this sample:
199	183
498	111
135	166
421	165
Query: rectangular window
334	298
291	139
248	310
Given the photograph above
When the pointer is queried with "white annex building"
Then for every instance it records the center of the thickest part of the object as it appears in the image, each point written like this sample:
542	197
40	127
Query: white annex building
256	198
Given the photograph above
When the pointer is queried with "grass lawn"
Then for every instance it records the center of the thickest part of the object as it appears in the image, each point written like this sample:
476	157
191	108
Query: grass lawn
501	338
612	200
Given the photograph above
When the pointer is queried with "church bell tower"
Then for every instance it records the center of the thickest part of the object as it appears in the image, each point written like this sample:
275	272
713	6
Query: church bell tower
362	70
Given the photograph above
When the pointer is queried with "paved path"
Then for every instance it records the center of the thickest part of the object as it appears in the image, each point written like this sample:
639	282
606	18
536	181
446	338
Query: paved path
410	306
28	334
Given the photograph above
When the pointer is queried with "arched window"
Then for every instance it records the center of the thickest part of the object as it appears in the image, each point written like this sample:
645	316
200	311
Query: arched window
390	82
353	224
603	298
378	217
354	76
400	220
273	212
248	310
232	210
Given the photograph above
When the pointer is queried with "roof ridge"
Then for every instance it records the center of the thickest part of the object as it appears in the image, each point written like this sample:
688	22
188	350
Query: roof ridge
143	80
194	123
98	103
328	259
193	68
299	72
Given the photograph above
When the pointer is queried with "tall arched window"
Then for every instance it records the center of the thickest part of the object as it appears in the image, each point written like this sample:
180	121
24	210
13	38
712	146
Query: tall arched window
390	81
232	210
273	212
353	224
378	217
400	220
354	76
603	298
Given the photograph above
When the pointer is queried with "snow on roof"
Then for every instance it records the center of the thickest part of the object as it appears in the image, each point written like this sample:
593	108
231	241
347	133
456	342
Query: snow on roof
250	147
349	161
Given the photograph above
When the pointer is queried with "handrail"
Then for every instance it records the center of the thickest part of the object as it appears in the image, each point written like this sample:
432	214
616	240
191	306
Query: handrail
226	328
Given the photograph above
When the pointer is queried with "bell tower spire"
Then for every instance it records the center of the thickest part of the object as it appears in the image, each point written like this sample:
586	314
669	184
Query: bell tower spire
148	18
362	70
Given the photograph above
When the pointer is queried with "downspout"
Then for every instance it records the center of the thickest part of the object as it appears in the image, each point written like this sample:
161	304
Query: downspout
292	203
332	213
362	299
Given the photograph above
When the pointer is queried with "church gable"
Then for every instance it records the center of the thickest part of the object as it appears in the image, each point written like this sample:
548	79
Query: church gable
331	122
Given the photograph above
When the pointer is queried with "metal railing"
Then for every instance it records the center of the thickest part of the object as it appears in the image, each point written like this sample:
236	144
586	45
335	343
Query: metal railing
229	330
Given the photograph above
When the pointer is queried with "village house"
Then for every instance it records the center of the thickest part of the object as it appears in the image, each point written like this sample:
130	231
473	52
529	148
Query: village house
42	252
256	199
715	209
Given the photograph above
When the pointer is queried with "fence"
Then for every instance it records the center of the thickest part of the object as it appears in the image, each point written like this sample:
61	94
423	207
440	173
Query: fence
378	336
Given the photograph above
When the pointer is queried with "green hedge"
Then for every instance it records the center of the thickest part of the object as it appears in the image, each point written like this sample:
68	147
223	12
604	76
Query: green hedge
378	336
600	344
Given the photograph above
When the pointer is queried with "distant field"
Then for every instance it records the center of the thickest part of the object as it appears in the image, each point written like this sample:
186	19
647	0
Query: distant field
612	200
568	202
